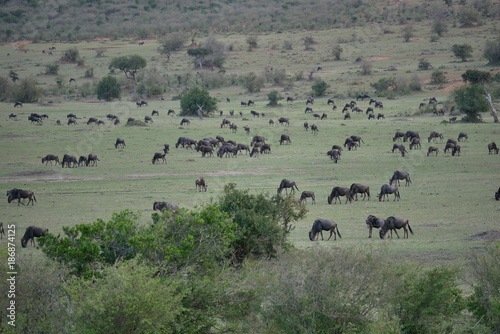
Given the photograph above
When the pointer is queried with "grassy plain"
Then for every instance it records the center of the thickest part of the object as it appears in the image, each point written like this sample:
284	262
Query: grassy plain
449	202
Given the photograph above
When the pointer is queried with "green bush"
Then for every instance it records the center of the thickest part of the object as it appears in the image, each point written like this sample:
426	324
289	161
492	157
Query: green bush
438	77
252	82
470	99
194	99
462	51
27	91
274	97
492	51
52	69
108	89
71	55
319	88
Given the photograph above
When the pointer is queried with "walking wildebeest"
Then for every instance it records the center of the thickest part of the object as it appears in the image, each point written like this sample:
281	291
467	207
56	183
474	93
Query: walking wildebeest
358	188
314	129
284	121
68	160
200	184
285	184
49	158
159	156
432	149
462	135
321	225
401	149
334	155
434	136
120	142
492	148
456	150
398	175
92	159
160	206
306	126
2	231
497	194
373	222
393	224
19	194
285	139
337	192
379	116
305	195
12	116
82	160
385	190
453	119
31	233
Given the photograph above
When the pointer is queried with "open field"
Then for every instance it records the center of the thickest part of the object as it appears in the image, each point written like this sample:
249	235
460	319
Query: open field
449	203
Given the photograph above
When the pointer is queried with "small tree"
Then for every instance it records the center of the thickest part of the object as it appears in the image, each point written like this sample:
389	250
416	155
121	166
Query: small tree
52	69
476	77
108	89
337	51
462	51
424	64
129	65
319	88
253	82
408	32
439	26
274	97
194	99
99	52
27	91
470	99
492	51
171	43
468	16
438	77
308	42
71	55
252	42
366	67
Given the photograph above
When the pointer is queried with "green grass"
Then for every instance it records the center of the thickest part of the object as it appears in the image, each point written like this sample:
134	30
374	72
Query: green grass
449	201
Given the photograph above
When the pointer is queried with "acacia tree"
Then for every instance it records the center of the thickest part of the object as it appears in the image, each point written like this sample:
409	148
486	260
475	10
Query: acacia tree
171	43
462	51
129	65
408	32
108	89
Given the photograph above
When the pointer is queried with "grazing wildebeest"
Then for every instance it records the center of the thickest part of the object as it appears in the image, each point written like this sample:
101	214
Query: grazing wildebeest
314	129
200	184
72	121
393	224
18	104
185	121
409	135
492	148
456	150
31	233
305	195
362	97
243	103
450	146
69	160
185	142
148	119
92	159
159	156
155	113
289	99
334	155
462	135
399	147
310	100
120	142
2	231
497	194
265	149
271	122
141	103
453	119
285	184
415	143
358	188
50	157
398	175
357	139
321	225
71	115
371	116
398	135
257	139
379	116
284	121
330	101
254	113
166	148
385	190
12	115
250	103
306	126
254	151
374	222
161	206
324	116
432	149
308	109
285	139
247	129
337	192
82	160
19	194
170	112
347	116
92	120
243	147
316	116
435	135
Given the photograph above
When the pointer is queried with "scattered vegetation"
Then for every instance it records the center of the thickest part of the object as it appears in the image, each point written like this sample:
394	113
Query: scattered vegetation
197	102
462	51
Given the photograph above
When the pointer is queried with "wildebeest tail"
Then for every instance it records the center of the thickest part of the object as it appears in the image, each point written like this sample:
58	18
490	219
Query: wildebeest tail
338	232
34	198
409	227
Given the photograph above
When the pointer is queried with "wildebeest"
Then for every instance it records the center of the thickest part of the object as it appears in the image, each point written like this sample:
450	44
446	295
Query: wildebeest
373	222
432	149
289	99
200	184
398	175
456	150
306	126
453	119
233	127
155	113
69	160
12	116
159	156
347	116
386	190
284	121
334	154
393	224
415	143
247	129
19	194
204	149
243	147
285	139
148	119
35	119
185	121
321	225
141	103
358	188
91	120
324	116
357	140
185	142
257	139
285	184
371	116
92	160
82	160
271	122
398	135
409	135
308	109
362	97
72	121
161	206
166	148
254	113
399	147
337	192
497	194
265	149
2	231
314	129
120	142
309	100
435	135
307	194
31	233
492	148
330	101
49	158
462	135
18	104
170	112
379	116
225	122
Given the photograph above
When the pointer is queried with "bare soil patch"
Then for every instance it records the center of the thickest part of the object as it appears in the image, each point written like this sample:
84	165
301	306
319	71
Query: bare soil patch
488	235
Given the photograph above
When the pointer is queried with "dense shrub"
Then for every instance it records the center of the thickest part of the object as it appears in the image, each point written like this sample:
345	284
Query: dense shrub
195	98
108	89
470	100
274	97
492	51
27	91
462	51
71	55
52	69
319	88
252	82
438	77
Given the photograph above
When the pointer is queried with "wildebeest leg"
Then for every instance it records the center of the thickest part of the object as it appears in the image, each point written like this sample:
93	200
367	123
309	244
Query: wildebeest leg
395	231
332	231
321	232
370	231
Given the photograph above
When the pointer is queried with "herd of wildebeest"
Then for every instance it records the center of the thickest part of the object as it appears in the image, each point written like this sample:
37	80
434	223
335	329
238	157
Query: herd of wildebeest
258	145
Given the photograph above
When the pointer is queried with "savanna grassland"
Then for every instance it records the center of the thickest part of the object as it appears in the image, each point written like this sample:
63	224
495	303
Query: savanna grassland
450	203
